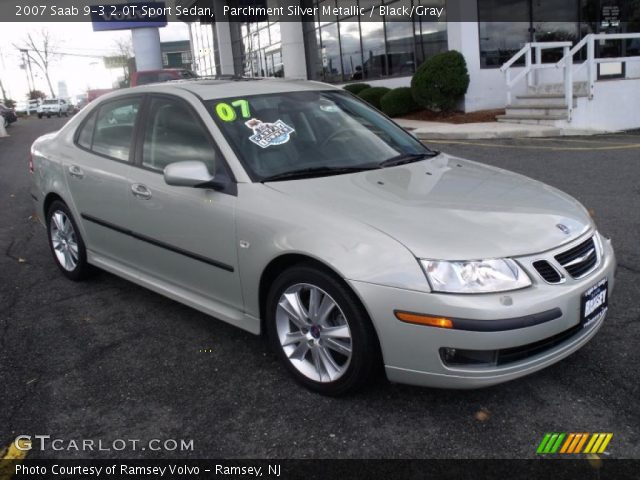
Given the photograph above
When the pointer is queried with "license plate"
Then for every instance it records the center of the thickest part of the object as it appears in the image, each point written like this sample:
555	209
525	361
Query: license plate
594	302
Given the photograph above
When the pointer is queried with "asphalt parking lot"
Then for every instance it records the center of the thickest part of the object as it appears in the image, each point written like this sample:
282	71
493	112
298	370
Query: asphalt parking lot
106	359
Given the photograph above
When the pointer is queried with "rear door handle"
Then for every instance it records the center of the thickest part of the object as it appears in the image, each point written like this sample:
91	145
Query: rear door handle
76	171
140	191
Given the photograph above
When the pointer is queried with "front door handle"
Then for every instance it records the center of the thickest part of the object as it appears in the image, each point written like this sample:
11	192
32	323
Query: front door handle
76	171
140	191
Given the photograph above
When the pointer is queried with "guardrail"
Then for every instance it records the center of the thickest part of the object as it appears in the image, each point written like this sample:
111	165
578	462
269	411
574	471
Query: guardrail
567	63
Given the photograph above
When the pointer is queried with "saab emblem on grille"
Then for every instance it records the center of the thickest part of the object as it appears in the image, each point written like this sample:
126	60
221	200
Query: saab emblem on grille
563	228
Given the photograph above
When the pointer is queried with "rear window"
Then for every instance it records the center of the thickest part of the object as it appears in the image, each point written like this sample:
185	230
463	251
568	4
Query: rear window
163	76
51	102
144	78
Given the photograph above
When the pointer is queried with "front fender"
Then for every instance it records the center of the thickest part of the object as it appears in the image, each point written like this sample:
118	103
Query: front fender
270	225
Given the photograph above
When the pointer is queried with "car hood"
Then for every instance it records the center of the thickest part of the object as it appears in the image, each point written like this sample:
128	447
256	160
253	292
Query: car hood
449	208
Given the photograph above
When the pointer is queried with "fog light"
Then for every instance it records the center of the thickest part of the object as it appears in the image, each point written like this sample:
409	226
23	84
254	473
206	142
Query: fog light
448	354
468	358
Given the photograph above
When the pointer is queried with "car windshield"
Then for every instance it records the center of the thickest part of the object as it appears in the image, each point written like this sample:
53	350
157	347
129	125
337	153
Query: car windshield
51	102
319	132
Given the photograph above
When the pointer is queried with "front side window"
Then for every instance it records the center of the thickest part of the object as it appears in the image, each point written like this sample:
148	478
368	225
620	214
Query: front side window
276	134
173	134
114	128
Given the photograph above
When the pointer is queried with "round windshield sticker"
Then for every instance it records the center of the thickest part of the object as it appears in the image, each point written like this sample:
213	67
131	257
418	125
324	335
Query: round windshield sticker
268	134
329	108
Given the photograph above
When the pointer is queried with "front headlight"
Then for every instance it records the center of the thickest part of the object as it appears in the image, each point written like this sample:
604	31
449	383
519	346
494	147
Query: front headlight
475	276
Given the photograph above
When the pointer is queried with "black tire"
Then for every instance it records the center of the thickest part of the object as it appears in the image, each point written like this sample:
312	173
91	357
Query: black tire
59	114
39	115
365	361
82	269
48	115
66	114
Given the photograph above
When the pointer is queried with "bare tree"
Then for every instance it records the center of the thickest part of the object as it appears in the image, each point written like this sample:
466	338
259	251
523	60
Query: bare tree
125	50
40	50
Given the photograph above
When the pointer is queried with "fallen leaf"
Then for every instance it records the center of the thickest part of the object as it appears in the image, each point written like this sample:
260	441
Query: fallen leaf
482	415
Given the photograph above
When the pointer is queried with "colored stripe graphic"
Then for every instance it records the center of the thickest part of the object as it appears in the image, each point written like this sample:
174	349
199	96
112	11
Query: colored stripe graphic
572	443
543	443
581	443
568	442
606	441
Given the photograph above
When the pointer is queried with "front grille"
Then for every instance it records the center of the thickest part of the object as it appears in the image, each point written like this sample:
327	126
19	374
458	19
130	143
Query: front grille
547	272
579	260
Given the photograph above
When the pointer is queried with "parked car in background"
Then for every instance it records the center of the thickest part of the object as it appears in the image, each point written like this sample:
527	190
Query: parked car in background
28	107
156	76
97	92
8	115
53	106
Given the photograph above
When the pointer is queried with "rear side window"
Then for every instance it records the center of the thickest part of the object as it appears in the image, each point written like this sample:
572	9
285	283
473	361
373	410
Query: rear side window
86	131
114	128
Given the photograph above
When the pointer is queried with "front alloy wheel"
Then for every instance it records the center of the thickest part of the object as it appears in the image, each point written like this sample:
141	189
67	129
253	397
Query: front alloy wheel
321	331
313	332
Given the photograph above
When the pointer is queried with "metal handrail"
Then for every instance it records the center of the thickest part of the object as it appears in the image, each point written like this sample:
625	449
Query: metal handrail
566	63
530	65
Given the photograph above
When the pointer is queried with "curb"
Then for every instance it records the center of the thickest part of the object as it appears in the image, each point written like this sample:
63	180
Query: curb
423	134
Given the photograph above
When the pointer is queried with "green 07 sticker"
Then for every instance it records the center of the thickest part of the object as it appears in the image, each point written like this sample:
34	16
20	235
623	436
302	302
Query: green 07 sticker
227	113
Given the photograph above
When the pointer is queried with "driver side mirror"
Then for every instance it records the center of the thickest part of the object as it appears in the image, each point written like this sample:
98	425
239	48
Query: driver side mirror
191	174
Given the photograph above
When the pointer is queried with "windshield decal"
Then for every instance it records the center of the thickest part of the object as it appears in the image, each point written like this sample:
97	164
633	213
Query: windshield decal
227	113
329	108
268	134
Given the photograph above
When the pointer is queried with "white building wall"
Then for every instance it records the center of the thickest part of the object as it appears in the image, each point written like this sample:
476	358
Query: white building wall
293	55
222	31
146	48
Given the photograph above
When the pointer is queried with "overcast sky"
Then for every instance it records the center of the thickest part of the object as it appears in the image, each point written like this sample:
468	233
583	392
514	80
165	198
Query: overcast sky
73	39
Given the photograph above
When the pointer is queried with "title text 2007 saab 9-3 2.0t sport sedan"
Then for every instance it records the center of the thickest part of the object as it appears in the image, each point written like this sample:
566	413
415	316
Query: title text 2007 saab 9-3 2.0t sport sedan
296	209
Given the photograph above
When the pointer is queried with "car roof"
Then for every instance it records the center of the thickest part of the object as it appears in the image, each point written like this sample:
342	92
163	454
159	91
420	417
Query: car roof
212	88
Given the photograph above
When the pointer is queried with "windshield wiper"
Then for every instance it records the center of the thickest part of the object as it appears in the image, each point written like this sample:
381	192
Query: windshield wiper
317	172
407	158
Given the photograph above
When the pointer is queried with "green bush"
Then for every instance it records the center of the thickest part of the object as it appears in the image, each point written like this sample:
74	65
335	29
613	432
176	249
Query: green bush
373	95
398	102
356	88
441	81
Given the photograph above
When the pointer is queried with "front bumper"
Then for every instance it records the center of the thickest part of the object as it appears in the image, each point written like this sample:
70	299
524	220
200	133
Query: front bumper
412	352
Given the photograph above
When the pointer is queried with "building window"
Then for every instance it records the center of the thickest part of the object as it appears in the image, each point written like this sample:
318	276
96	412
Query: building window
355	48
503	33
260	51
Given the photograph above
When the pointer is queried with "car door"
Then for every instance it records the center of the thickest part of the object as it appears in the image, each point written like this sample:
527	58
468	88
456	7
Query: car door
187	235
98	169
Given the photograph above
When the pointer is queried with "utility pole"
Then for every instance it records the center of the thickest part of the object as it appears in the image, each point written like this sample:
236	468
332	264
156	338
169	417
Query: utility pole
4	93
33	84
27	69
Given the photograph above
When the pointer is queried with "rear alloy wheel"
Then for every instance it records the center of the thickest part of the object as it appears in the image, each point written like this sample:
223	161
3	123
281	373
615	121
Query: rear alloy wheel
66	243
320	331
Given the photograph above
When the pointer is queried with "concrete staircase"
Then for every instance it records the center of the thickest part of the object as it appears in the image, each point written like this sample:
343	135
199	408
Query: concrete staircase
543	105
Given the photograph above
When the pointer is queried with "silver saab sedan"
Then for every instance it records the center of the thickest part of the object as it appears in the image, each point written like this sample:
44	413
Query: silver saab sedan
295	209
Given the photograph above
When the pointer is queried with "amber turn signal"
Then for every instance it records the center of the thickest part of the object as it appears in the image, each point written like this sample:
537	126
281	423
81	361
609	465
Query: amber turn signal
419	319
